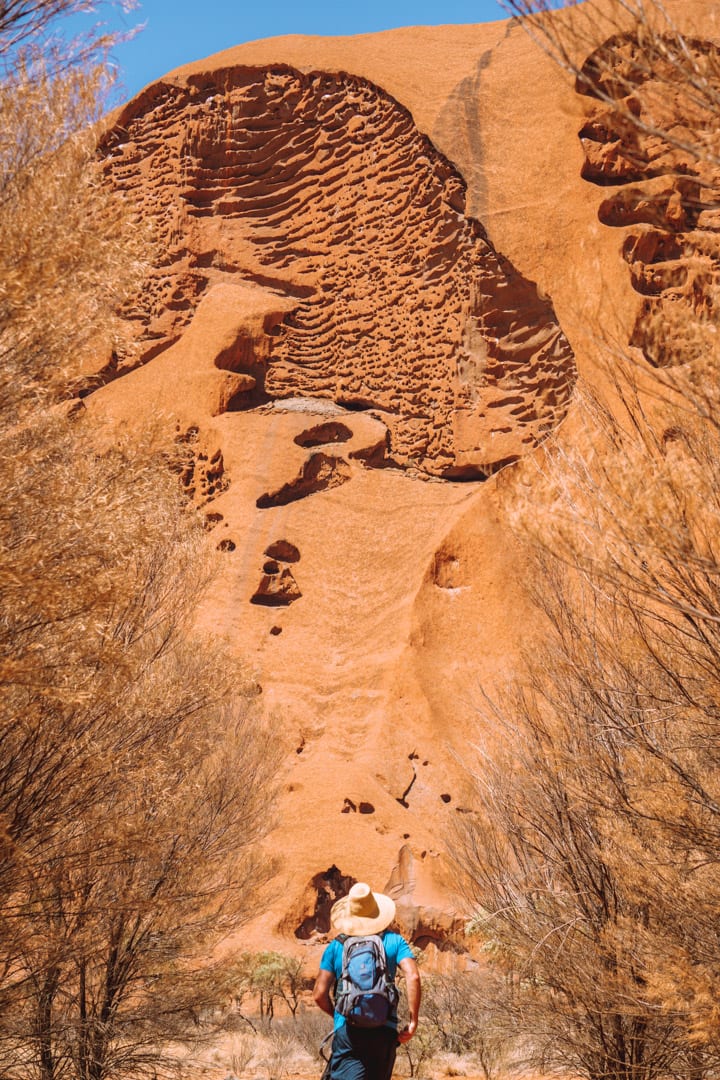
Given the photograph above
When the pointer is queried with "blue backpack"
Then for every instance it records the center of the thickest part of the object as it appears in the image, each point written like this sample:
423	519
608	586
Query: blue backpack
365	994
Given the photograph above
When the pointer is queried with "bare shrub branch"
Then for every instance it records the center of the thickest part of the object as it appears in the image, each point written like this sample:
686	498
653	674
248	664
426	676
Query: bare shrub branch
135	782
593	860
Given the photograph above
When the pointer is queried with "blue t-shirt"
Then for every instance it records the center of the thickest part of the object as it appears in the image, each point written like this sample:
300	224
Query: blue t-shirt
396	949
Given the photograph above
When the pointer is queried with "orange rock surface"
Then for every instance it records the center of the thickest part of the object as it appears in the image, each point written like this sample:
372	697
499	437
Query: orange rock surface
385	260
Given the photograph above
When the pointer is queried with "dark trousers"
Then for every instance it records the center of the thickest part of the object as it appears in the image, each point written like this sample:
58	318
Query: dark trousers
363	1053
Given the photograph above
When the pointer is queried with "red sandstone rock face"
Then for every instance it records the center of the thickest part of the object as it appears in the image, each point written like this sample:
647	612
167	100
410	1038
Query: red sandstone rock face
660	193
321	186
331	339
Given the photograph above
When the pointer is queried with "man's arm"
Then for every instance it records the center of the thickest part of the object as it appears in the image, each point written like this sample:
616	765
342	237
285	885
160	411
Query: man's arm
321	991
411	972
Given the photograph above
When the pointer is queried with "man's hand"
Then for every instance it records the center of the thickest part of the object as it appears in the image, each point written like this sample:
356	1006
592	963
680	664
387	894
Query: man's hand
407	1032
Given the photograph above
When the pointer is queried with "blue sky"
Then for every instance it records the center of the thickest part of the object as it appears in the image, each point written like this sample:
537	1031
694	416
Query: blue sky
177	31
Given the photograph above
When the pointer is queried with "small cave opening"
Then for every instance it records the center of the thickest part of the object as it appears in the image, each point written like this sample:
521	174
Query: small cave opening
329	886
244	400
319	473
357	404
653	246
283	551
240	359
276	590
470	474
321	434
595	174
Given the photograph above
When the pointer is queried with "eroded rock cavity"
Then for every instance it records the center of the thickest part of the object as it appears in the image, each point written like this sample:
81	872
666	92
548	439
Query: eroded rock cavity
278	587
644	139
321	186
326	887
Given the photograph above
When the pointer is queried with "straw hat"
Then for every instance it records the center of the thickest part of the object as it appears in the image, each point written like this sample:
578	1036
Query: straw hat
362	912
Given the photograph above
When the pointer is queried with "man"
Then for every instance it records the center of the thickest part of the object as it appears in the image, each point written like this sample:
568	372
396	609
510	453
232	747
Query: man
366	1053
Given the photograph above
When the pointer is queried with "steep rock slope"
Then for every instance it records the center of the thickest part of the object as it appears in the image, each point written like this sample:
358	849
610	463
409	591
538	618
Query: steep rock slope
385	262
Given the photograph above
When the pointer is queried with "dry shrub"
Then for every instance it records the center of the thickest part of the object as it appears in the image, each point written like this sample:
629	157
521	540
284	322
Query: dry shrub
280	1049
134	781
311	1029
285	1045
466	1010
72	250
593	858
662	55
240	1054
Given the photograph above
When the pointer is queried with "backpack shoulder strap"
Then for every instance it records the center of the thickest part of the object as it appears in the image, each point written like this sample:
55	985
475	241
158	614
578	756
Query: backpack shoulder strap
381	949
343	940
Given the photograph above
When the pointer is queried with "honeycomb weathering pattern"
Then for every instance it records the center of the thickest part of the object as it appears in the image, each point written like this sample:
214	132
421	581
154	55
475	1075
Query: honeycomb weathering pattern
321	186
667	196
